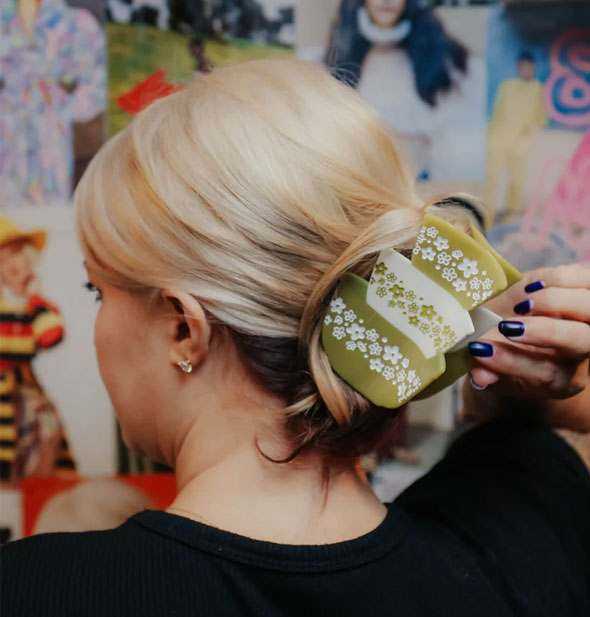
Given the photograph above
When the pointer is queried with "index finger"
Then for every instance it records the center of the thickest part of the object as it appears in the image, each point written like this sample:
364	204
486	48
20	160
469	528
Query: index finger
567	276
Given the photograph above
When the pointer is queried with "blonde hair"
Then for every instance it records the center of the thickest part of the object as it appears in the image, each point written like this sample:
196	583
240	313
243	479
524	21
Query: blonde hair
254	188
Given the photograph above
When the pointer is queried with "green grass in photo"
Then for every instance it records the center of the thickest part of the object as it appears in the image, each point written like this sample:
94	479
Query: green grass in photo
137	51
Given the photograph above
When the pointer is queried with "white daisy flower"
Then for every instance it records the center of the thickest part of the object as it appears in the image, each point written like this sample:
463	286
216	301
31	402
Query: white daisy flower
388	372
338	332
375	349
460	285
444	259
376	364
337	305
428	253
349	315
392	354
356	331
371	335
441	244
449	274
468	267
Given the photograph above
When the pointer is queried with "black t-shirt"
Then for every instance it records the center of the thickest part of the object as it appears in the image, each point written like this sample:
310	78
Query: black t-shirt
501	526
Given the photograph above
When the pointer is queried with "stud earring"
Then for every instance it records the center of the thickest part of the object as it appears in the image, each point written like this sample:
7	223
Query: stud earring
185	366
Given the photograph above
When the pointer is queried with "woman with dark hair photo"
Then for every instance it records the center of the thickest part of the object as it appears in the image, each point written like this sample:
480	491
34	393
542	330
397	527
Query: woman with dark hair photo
428	86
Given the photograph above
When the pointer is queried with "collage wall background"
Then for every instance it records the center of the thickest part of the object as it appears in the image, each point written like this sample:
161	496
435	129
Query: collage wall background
486	98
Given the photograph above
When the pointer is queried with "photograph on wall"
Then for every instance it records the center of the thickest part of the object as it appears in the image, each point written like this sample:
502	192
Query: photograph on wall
34	441
11	516
153	46
52	97
156	45
91	504
538	150
422	67
55	416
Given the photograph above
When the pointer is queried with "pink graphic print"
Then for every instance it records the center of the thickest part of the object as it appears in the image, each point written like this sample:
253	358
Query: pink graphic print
567	90
565	207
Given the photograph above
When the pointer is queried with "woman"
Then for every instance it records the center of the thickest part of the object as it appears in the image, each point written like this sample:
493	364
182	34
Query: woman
216	228
52	74
424	82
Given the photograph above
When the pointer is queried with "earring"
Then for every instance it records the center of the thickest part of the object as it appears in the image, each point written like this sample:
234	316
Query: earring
185	366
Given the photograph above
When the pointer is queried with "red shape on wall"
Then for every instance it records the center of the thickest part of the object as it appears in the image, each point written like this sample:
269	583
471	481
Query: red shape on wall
146	92
38	493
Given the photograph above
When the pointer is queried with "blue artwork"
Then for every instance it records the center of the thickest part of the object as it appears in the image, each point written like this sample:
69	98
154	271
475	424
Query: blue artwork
555	43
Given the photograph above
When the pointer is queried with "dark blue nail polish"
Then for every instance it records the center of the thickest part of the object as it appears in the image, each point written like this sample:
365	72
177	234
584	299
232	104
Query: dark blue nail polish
511	328
480	350
534	287
522	308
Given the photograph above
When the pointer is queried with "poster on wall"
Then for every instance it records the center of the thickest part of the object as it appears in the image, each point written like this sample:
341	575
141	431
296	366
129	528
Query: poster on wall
91	504
155	45
422	68
55	415
538	149
52	97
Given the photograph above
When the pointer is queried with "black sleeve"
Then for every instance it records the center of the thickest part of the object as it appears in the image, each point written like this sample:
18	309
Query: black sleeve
518	498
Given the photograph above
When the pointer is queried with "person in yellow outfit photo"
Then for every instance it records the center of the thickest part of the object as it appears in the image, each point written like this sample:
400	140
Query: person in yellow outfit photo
32	437
519	112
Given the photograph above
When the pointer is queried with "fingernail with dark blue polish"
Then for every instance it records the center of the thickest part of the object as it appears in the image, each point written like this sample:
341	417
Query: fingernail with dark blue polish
480	350
511	328
534	287
522	308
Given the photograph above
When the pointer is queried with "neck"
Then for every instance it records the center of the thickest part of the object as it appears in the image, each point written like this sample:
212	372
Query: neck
382	36
27	10
233	487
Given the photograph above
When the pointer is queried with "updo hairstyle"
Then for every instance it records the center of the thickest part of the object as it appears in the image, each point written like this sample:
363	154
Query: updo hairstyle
255	188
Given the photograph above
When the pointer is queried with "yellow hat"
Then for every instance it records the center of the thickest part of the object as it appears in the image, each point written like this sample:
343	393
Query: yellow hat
11	233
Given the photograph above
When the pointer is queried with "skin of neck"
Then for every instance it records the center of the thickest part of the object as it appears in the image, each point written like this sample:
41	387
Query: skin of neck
224	481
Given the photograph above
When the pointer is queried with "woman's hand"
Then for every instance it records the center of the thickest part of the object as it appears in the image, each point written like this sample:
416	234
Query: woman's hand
540	352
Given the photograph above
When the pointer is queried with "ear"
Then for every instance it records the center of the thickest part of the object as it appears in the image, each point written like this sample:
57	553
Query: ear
189	331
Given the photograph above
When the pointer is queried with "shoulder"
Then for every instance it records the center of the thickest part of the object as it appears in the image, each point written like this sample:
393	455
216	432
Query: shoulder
80	551
517	499
77	568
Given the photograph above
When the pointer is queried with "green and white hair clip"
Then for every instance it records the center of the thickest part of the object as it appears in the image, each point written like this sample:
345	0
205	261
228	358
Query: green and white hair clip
403	334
